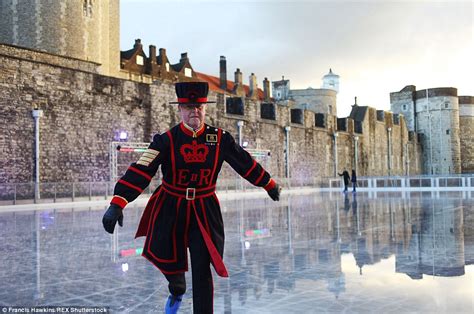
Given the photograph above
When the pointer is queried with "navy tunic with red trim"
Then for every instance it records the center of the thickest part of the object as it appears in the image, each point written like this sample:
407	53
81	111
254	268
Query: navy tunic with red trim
190	162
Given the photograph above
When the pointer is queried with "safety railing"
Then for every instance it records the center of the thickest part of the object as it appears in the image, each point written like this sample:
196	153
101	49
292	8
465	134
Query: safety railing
429	183
55	192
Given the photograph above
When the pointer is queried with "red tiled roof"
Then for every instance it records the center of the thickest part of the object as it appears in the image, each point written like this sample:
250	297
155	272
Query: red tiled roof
214	85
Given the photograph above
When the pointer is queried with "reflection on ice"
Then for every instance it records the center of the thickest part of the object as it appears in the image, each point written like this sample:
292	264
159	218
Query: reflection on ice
299	255
311	235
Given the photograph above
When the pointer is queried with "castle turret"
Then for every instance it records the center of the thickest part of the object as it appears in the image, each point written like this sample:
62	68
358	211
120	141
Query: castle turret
331	81
317	100
437	121
281	89
403	102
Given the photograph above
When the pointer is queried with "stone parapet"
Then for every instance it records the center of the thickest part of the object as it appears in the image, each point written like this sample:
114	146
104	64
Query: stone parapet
84	111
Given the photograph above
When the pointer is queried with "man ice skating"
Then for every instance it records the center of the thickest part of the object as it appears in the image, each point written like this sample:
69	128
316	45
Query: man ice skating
184	210
346	178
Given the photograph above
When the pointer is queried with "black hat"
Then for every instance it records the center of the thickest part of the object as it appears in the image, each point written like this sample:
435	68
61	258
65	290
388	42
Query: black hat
192	93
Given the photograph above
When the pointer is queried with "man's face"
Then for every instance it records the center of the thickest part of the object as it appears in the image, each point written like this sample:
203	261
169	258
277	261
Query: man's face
193	115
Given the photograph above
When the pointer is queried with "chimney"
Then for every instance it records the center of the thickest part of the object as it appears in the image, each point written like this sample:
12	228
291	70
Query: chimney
266	89
138	43
238	86
223	73
152	53
184	57
253	92
162	57
238	77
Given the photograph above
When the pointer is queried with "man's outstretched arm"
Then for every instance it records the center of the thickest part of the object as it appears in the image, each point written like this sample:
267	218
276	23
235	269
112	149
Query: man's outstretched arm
246	166
132	183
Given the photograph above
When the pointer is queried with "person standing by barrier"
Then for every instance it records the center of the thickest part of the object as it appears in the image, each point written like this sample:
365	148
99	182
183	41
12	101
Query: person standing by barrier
184	210
354	180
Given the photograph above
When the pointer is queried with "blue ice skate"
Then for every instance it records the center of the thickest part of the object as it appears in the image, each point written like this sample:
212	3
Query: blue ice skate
172	304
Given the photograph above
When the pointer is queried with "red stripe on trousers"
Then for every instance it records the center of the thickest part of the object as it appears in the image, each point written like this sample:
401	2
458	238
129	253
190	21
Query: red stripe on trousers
215	256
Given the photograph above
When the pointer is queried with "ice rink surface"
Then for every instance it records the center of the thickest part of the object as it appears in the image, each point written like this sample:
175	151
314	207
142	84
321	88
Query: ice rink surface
318	253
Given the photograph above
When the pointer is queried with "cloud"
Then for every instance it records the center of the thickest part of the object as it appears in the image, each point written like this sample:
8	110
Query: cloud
377	47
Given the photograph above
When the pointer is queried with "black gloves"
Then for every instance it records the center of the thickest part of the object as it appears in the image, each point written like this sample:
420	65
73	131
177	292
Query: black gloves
275	192
111	216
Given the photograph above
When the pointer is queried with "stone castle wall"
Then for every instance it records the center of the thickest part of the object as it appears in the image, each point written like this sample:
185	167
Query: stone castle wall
83	112
77	29
466	125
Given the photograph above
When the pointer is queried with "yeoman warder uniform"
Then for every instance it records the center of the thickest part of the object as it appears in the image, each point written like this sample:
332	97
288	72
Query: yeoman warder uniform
184	210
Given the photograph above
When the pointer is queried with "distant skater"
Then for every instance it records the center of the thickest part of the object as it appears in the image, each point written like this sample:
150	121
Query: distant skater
346	176
354	180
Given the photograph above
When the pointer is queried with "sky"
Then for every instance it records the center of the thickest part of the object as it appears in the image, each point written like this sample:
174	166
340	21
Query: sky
376	47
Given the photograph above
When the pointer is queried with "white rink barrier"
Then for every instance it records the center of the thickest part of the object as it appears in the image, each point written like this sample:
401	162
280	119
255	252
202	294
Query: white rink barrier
419	183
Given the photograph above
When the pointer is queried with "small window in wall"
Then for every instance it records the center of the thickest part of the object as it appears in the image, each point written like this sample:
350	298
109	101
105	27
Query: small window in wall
167	67
267	111
446	105
447	131
342	124
396	119
297	116
404	107
319	120
139	60
87	7
234	105
330	109
380	115
188	72
358	128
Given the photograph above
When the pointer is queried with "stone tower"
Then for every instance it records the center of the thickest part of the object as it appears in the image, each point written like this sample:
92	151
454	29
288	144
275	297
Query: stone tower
82	29
404	102
331	81
317	100
434	115
466	125
281	89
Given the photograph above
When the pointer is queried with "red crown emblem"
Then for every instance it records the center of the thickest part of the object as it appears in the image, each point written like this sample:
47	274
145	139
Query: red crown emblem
194	152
